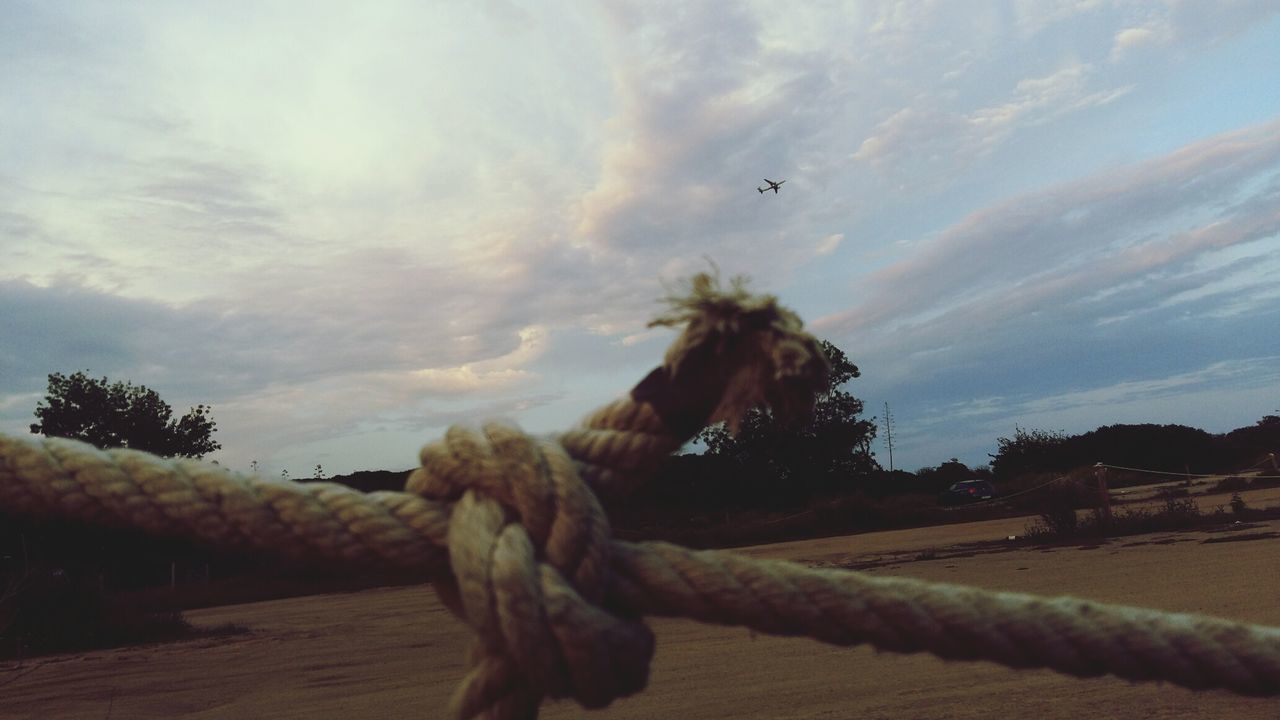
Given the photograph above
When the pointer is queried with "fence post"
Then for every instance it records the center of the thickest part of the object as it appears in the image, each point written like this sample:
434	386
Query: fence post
1104	495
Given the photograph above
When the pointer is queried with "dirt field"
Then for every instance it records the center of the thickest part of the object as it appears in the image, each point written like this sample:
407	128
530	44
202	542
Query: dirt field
396	653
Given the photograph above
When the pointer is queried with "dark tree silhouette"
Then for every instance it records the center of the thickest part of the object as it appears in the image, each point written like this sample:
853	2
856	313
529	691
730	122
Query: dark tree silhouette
829	453
119	414
1164	448
1029	451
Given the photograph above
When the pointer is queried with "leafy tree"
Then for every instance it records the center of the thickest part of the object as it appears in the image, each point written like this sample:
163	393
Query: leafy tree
823	455
1027	451
120	414
1166	448
936	479
1169	448
1253	445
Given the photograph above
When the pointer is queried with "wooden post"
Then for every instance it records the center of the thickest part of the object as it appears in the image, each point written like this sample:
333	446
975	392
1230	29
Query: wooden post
173	574
1104	495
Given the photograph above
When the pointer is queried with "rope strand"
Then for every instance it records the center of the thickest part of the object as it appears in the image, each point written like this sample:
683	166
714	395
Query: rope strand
322	522
509	530
1069	635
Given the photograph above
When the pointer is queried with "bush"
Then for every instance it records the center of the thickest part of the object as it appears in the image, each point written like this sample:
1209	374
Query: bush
1057	503
1180	514
49	611
1238	505
1176	514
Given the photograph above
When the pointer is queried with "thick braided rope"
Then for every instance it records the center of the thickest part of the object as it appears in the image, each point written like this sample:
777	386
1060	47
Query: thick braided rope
519	547
1070	635
320	522
529	552
313	522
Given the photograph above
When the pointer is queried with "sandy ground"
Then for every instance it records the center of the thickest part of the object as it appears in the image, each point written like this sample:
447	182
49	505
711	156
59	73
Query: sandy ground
396	653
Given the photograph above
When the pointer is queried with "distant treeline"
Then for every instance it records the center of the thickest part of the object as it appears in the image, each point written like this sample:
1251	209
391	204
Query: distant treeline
704	489
703	485
790	484
1164	448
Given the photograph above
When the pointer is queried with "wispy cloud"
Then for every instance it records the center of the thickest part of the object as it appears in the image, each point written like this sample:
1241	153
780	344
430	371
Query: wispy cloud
1145	272
1082	235
346	226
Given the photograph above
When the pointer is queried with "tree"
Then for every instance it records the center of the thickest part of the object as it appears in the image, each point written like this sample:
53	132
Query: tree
829	451
937	479
1028	451
120	414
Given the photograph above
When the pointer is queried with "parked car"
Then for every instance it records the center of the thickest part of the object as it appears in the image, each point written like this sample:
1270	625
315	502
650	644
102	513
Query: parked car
967	491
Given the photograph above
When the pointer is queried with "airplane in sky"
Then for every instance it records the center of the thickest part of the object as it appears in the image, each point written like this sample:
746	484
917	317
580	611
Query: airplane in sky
772	186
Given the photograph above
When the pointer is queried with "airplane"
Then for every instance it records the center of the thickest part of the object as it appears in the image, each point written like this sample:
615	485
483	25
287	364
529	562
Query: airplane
772	186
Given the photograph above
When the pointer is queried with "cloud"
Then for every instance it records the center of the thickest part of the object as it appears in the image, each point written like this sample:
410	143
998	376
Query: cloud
1033	17
486	374
1196	22
706	103
336	355
356	223
1190	24
1132	38
1207	396
828	244
1110	293
686	93
915	138
1253	372
906	133
1081	227
1041	99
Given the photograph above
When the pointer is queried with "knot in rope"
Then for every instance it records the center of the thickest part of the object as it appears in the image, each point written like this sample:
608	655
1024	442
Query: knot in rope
529	552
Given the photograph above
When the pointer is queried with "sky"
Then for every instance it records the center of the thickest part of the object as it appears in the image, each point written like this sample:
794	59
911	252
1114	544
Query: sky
347	226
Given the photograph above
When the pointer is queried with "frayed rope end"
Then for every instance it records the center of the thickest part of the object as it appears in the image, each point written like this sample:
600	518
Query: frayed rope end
753	347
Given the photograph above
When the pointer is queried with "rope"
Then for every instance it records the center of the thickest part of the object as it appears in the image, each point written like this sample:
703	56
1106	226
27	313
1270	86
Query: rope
1185	475
324	522
510	531
1072	636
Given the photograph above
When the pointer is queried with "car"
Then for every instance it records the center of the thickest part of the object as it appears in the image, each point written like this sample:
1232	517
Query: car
966	492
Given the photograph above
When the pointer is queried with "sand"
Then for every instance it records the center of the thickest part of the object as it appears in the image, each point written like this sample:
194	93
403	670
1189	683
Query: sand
396	653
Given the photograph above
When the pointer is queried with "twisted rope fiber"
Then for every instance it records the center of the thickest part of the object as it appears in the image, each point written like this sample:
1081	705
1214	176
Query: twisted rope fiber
319	521
510	532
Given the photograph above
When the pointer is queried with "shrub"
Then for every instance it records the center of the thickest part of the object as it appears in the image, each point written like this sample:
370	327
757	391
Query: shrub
49	612
1238	505
1057	503
1176	514
1179	514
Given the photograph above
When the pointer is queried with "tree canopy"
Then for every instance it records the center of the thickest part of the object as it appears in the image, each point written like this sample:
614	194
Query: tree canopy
121	414
1164	448
1029	451
822	455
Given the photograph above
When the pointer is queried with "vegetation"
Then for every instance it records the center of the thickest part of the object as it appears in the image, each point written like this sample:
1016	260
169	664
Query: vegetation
769	466
108	414
1166	448
827	454
1174	514
61	585
55	578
